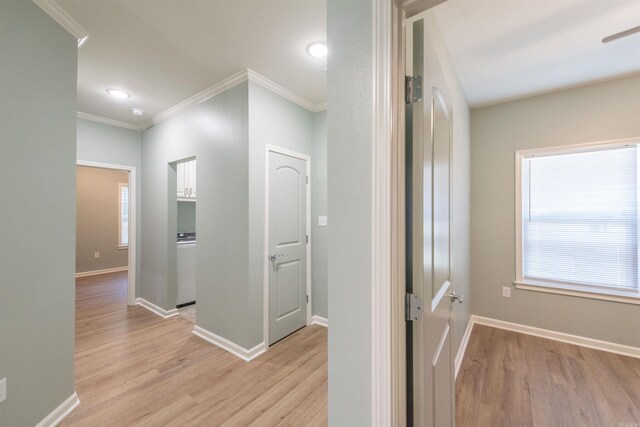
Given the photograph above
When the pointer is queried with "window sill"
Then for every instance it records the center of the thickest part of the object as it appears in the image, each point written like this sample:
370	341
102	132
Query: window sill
625	297
123	248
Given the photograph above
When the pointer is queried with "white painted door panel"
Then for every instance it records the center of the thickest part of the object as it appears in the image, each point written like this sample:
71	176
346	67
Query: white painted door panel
287	245
429	354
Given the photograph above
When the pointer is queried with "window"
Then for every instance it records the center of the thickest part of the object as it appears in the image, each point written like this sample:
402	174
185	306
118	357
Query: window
577	228
123	216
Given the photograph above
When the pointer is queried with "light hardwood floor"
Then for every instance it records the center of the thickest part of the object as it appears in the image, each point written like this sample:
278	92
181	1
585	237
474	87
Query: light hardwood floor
134	368
511	379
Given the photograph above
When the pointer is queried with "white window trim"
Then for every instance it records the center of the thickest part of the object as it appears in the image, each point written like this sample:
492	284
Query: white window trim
593	292
120	245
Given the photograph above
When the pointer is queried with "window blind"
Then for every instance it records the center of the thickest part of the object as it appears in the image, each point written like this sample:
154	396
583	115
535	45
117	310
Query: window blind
124	215
580	218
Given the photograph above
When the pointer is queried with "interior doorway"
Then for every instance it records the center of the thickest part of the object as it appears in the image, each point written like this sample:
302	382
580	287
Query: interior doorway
124	215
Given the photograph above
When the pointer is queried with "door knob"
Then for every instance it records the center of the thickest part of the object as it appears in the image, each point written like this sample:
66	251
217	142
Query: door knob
456	297
274	257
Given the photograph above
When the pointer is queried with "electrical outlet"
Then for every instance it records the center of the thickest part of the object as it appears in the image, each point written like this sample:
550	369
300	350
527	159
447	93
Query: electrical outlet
506	292
96	254
3	390
322	221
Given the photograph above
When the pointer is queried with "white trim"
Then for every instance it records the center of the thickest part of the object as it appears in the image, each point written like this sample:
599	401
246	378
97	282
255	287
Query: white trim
228	83
155	309
283	92
199	97
61	17
319	107
593	292
103	271
59	414
321	321
107	121
265	271
609	347
604	295
231	347
463	347
133	242
381	178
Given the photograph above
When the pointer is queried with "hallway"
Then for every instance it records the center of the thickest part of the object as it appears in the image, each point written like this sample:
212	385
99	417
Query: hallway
135	368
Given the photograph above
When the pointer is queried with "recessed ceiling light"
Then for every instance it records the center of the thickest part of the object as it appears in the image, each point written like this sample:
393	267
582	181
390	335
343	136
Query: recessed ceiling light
317	49
137	111
116	93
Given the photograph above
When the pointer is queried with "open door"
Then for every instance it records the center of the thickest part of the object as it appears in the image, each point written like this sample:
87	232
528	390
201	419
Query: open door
430	367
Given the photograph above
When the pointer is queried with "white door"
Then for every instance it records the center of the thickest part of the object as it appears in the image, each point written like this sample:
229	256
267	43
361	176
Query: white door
431	398
287	244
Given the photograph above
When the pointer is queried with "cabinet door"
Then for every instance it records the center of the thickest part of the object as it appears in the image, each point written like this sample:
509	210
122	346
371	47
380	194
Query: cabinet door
181	184
193	179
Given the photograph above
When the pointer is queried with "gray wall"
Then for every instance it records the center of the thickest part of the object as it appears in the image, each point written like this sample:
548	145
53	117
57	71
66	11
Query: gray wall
227	134
216	133
37	196
186	217
319	207
98	142
97	218
349	165
273	120
460	186
592	113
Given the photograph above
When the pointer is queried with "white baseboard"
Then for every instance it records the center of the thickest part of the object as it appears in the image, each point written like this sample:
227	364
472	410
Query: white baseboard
58	414
104	271
610	347
231	347
322	321
157	310
463	346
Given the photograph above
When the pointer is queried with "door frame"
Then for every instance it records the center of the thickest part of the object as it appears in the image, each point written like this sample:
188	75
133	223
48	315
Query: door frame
131	268
265	291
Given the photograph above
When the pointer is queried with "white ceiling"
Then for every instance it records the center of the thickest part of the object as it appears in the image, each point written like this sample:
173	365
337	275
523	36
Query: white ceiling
510	49
165	51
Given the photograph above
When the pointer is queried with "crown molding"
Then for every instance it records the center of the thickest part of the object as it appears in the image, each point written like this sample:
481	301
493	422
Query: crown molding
319	107
107	121
228	83
61	17
283	92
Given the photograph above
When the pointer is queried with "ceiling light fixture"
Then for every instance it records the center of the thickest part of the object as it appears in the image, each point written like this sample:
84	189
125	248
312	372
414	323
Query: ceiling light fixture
116	93
317	49
137	111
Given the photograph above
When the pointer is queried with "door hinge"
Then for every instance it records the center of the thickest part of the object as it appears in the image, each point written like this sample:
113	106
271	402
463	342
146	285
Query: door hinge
307	298
413	308
307	238
412	89
307	179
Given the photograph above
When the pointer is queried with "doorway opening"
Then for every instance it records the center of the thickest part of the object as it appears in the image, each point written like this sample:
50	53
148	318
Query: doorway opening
106	222
185	196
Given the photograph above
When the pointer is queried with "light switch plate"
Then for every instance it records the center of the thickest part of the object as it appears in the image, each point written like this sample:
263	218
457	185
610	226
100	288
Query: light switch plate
322	221
506	292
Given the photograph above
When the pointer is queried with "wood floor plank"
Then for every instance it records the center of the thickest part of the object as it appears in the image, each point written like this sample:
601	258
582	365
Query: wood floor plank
134	368
511	379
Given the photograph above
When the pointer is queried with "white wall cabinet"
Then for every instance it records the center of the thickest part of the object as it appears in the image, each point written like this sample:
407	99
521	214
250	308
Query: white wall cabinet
186	184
